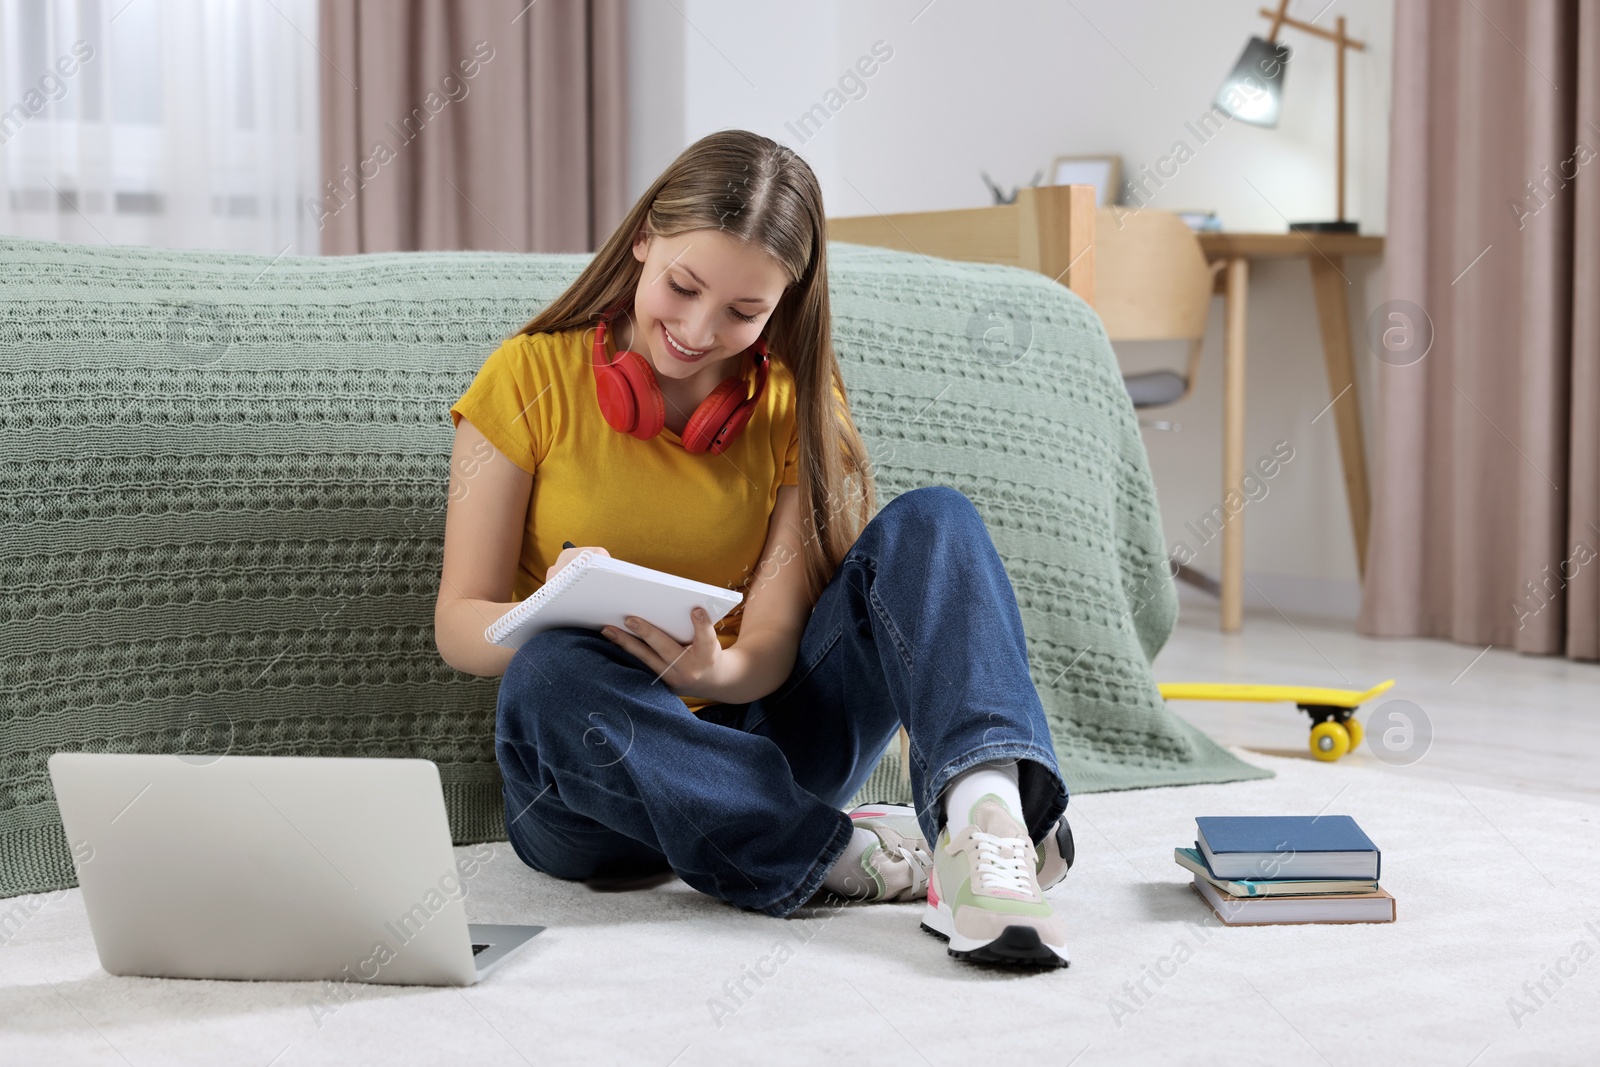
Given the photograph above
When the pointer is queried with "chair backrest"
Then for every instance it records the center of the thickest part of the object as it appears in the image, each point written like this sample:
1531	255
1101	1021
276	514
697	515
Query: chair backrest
1152	282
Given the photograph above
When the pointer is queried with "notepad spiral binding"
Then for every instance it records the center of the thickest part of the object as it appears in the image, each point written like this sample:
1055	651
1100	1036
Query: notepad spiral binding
512	620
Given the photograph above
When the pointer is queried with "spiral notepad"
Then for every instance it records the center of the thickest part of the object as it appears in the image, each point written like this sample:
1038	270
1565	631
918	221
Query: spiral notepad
594	591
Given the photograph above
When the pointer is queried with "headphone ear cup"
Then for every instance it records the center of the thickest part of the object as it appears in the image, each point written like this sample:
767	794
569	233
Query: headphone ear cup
616	399
712	415
711	418
629	397
736	422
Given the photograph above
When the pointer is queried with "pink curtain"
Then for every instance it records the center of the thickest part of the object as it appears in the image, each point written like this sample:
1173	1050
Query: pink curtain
472	124
1486	519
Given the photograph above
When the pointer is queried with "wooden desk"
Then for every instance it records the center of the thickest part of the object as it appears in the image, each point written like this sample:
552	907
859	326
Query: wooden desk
1325	252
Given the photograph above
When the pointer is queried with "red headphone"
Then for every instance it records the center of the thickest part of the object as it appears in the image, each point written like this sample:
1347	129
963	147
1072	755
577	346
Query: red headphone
632	402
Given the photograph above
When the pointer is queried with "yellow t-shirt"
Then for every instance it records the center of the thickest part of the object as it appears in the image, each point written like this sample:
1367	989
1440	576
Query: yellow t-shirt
648	502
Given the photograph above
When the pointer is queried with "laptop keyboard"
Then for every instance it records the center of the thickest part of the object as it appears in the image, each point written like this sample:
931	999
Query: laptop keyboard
478	948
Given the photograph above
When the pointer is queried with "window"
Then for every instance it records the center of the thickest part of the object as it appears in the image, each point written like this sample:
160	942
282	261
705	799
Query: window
188	125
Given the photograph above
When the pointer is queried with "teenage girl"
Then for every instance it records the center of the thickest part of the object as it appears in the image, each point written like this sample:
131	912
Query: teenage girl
680	406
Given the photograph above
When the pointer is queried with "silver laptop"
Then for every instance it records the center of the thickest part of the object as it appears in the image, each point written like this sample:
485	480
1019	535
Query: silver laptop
272	867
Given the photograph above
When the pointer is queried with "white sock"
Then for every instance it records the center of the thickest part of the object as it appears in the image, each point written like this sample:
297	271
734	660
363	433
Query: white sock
998	777
846	877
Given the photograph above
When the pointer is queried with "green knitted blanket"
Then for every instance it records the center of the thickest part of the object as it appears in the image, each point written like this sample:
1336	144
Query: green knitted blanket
223	496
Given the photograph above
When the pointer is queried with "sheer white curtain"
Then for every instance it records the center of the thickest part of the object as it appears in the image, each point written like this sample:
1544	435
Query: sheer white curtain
181	123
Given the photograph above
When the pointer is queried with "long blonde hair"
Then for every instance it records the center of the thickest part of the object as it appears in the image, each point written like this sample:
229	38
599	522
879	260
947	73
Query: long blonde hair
755	189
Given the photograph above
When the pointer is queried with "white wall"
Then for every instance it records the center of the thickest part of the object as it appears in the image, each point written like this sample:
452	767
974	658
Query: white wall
1004	87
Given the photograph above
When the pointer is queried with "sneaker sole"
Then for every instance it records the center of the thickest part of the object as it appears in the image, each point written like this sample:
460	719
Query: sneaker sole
1018	946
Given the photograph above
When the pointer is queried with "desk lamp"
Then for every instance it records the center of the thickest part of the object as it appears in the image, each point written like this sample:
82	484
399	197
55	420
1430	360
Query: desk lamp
1253	91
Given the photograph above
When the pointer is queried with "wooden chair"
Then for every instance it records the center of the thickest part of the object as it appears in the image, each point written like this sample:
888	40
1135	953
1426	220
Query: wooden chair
1153	283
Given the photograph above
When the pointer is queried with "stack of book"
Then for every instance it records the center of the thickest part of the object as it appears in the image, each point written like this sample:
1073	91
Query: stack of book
1255	870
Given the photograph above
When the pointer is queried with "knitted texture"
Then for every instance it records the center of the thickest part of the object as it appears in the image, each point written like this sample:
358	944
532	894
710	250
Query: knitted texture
222	506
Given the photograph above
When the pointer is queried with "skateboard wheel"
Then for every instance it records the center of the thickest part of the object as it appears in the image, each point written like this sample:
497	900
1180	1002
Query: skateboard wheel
1329	740
1352	726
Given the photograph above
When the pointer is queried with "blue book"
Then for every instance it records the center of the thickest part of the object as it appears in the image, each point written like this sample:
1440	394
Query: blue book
1260	847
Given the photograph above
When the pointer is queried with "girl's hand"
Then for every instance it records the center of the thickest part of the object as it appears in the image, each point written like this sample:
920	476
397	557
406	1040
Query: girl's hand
693	670
568	555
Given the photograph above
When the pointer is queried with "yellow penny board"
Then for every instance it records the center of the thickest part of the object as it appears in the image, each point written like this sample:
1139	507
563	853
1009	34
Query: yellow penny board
1273	694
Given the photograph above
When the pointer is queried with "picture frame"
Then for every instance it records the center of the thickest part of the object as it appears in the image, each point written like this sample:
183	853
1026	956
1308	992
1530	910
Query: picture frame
1104	172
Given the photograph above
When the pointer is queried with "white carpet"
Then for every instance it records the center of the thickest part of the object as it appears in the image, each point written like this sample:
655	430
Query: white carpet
1494	890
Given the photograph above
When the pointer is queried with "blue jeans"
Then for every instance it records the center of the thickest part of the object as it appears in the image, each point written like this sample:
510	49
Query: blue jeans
608	773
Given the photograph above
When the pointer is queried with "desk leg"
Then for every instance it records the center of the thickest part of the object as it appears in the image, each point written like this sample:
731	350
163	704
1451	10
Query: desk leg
1333	314
1238	280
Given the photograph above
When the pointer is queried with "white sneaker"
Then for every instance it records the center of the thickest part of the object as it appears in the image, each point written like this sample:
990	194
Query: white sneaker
1055	852
897	867
984	897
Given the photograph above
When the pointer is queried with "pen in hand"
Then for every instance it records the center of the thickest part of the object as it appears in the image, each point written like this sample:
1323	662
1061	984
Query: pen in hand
564	558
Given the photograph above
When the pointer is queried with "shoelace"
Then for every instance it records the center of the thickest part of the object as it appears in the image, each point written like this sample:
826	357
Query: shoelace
996	871
921	861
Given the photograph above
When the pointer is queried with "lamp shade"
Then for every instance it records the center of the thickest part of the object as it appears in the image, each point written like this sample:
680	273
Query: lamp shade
1254	90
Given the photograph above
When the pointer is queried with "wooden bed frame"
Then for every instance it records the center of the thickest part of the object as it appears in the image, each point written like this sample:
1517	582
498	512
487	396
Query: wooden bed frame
1049	229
